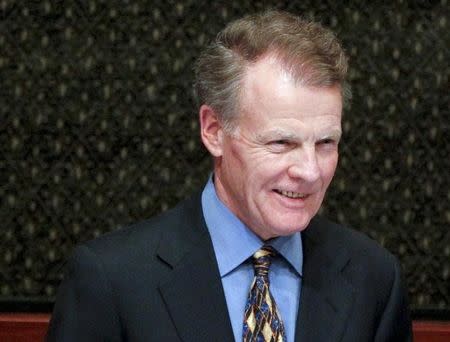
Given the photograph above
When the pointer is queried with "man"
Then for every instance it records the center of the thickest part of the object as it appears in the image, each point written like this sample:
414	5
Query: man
271	89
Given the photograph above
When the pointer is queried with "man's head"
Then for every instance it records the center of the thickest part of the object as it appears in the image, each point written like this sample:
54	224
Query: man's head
271	88
311	53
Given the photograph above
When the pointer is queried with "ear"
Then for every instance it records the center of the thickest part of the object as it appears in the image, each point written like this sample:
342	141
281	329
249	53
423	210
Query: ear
211	130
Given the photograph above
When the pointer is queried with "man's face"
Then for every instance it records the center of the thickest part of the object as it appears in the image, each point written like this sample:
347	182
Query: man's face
273	172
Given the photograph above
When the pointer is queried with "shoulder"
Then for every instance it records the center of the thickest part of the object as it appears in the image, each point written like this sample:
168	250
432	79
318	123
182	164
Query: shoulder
339	238
362	260
142	239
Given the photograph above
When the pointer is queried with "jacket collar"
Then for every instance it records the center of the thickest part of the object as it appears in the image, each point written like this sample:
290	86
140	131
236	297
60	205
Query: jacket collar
326	297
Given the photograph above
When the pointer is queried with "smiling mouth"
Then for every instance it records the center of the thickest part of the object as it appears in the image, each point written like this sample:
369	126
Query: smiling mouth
291	194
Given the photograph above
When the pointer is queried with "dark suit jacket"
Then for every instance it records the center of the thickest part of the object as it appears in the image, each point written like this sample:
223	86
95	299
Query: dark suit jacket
159	281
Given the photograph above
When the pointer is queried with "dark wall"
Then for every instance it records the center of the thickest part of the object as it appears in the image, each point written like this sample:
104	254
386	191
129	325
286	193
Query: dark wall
98	128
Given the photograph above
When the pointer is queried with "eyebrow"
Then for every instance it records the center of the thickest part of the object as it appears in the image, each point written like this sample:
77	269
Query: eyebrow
334	133
282	134
277	133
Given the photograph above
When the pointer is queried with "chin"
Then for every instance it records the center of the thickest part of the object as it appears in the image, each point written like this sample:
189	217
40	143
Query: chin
296	221
292	227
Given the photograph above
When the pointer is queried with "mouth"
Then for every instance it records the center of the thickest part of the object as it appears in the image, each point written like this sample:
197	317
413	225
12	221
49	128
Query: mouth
291	194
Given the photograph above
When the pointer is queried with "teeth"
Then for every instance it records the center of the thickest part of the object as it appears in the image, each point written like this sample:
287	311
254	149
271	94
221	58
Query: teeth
292	194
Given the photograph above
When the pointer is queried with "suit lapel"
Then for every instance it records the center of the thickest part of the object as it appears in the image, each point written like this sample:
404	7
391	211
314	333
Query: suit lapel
193	292
326	296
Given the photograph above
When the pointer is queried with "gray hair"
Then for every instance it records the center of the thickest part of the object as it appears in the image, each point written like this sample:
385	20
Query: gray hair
307	50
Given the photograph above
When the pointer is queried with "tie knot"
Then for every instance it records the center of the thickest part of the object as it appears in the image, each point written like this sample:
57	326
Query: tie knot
262	260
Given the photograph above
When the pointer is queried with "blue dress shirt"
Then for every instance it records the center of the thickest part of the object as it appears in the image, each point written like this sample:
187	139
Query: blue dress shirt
234	244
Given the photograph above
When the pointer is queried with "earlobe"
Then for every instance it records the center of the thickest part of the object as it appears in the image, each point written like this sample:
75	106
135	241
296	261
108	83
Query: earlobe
210	130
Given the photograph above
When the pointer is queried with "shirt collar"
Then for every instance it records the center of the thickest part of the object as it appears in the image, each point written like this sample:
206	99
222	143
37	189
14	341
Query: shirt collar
234	242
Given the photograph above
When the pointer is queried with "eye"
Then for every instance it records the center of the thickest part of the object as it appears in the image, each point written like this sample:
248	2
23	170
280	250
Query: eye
327	141
280	142
279	145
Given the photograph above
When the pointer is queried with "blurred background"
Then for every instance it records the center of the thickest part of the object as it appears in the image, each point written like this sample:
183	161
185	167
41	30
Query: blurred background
98	129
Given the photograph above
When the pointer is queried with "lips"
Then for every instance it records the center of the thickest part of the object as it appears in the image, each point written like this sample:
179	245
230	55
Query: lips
291	194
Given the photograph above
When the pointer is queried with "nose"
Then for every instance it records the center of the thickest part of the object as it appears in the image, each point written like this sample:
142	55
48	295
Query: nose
304	165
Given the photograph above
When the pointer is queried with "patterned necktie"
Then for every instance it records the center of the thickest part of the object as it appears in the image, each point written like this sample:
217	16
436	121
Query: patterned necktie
262	321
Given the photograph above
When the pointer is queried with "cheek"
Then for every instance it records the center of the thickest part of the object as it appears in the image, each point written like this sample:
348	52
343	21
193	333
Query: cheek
328	167
248	162
232	162
236	154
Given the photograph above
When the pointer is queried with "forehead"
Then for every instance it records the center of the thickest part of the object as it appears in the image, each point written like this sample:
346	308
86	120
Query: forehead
270	92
